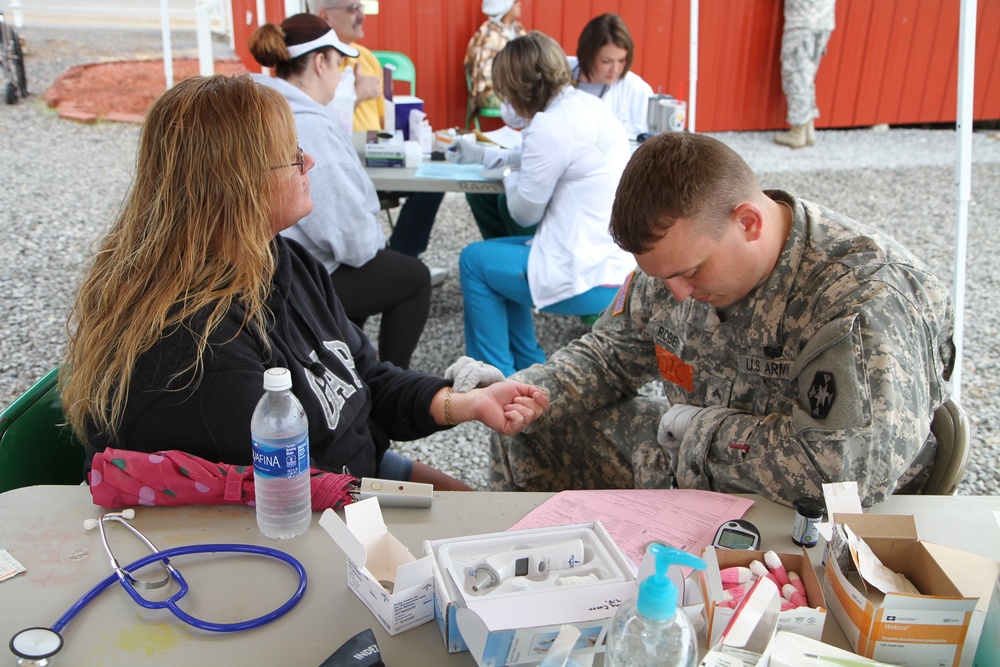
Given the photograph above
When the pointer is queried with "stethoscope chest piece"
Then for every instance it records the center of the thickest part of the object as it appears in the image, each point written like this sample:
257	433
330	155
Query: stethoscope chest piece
34	646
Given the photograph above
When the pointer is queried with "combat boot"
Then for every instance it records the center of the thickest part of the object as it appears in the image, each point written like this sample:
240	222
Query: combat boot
810	133
797	137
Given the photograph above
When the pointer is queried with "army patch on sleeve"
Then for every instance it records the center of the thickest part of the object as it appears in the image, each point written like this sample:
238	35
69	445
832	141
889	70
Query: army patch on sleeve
622	295
822	393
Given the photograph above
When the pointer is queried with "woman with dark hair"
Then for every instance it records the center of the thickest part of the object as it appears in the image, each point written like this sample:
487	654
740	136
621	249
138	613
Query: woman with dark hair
343	230
603	67
193	293
563	180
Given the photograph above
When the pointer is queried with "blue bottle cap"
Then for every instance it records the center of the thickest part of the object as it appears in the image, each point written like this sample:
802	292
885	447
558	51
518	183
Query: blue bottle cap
657	594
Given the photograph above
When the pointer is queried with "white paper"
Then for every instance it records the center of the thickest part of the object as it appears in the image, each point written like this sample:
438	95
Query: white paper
505	137
873	571
9	566
840	498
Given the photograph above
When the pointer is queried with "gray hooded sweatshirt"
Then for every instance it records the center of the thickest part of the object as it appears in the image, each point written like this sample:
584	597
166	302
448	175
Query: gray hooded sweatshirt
342	228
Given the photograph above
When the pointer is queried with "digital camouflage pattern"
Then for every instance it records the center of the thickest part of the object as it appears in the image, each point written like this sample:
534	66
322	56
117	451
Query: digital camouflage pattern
830	371
485	44
808	24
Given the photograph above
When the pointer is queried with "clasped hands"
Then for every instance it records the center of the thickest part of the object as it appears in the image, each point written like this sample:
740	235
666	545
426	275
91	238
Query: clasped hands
482	393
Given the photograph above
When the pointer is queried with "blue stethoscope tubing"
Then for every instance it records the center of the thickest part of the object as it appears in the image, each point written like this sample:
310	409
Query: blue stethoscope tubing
171	602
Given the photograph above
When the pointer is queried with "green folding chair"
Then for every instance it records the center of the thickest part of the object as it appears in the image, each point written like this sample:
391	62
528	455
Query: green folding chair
36	445
472	114
404	69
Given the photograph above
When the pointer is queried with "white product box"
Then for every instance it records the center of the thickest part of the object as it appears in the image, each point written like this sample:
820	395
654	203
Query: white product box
385	155
374	556
515	622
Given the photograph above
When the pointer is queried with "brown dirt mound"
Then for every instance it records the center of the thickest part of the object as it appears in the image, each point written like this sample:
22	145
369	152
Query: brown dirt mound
120	91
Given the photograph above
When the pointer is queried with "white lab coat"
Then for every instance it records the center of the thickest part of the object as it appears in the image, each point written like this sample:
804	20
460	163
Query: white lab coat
628	98
572	157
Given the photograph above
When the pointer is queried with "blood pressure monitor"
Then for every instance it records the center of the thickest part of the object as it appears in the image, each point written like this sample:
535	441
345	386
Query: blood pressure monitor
737	534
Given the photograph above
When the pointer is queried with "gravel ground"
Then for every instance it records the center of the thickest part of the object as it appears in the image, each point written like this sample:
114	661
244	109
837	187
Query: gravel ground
62	181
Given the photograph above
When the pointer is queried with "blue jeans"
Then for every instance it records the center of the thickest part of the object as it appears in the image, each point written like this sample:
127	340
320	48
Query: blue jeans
395	466
499	326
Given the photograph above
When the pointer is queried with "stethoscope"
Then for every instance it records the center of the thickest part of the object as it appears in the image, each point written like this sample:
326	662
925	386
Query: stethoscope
34	646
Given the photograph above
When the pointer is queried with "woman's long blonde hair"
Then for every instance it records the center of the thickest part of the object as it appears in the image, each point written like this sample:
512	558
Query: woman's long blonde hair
193	234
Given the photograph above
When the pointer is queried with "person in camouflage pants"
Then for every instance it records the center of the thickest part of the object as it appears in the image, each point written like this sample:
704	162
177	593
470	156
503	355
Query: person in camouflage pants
808	24
795	347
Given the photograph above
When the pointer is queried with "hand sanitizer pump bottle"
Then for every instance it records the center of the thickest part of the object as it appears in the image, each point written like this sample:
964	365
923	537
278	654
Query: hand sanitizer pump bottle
649	630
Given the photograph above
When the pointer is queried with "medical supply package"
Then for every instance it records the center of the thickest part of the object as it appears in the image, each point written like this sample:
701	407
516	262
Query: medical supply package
806	621
873	564
747	636
385	154
505	596
402	106
394	585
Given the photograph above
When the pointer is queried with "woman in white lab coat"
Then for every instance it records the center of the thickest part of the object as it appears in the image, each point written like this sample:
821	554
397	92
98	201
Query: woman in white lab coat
602	67
564	180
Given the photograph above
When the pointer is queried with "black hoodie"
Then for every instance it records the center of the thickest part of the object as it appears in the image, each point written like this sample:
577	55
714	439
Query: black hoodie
355	403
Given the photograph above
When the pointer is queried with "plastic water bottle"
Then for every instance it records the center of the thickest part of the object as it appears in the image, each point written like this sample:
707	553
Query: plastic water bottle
648	631
280	433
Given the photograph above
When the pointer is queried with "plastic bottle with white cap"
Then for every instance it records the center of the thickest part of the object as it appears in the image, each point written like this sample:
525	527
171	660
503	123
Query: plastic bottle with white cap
279	429
649	631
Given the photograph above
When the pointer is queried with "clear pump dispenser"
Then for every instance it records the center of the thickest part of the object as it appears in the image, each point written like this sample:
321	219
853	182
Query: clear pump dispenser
648	630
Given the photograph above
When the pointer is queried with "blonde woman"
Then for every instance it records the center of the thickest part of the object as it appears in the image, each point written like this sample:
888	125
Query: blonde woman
193	294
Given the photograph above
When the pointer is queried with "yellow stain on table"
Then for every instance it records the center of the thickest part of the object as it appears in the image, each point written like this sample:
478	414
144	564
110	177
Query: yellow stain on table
148	639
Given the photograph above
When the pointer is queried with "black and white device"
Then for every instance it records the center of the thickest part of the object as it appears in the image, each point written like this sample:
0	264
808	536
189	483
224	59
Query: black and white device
737	534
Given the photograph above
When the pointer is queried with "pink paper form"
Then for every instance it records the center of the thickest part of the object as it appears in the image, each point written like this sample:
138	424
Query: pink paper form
683	518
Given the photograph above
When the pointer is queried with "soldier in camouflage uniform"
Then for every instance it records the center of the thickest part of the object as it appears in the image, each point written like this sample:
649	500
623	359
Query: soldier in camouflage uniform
501	27
808	24
795	347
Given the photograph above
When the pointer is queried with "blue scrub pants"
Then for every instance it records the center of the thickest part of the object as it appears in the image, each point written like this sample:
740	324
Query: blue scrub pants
499	326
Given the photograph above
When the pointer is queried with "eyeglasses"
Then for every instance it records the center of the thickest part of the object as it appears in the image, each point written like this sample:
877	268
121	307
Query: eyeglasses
353	8
300	161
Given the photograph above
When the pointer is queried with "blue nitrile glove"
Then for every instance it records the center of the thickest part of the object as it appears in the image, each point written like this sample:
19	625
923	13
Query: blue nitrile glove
468	373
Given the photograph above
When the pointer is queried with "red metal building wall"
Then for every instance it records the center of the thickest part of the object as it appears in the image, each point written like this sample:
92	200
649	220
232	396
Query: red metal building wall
889	61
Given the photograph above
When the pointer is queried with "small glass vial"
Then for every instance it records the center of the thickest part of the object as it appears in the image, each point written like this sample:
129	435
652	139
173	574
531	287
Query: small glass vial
808	512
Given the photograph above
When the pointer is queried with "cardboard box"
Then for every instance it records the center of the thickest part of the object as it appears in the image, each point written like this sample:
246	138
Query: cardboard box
403	105
805	621
374	555
941	626
517	628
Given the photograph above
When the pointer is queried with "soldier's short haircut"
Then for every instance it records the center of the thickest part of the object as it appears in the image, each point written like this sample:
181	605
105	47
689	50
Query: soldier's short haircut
678	175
